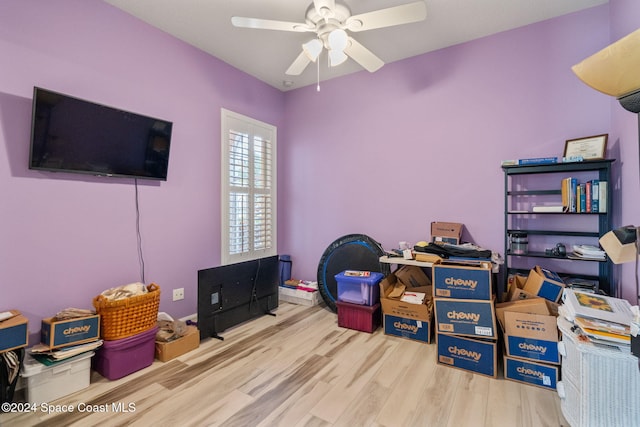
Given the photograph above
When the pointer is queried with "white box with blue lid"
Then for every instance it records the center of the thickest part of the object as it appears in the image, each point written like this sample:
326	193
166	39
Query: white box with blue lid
359	287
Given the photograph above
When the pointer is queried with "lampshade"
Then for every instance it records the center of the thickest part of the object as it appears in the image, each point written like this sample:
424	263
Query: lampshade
338	39
336	57
621	244
312	49
614	69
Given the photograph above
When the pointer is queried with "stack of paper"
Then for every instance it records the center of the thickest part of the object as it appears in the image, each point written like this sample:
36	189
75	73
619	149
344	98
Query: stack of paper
43	353
413	297
602	319
589	252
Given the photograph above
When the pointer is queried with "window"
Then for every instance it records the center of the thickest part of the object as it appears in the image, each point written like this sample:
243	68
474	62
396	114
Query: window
248	188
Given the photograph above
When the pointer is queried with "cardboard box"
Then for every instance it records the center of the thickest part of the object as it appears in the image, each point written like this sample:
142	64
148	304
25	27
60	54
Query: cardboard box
530	372
473	318
69	332
535	305
400	308
464	281
474	355
516	290
299	296
446	232
412	276
412	321
544	283
417	330
531	336
166	351
14	332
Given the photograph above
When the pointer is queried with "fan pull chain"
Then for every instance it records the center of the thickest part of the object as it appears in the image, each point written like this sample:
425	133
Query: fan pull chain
318	68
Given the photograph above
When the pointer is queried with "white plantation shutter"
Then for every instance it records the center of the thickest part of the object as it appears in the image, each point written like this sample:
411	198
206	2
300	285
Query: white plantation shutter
248	188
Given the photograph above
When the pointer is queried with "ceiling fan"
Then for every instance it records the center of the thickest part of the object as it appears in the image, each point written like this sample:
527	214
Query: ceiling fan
331	21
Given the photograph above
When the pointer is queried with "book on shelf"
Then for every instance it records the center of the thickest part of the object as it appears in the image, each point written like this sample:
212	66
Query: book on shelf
602	194
604	308
538	161
595	195
584	197
548	208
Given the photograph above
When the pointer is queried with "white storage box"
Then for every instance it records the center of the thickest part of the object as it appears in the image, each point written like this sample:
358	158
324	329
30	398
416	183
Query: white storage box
600	385
48	383
298	296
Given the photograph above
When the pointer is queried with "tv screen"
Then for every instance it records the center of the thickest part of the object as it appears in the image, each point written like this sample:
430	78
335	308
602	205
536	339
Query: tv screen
73	135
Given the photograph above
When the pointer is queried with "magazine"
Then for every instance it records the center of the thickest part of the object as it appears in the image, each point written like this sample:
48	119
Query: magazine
594	306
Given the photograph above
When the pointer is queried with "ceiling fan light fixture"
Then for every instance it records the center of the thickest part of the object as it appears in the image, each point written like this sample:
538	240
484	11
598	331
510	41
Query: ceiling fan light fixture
338	39
336	57
312	49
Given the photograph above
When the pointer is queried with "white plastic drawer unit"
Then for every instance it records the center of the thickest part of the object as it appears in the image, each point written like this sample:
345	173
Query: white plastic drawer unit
600	385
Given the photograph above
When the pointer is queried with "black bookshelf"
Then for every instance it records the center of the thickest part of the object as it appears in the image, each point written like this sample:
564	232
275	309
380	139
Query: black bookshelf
551	223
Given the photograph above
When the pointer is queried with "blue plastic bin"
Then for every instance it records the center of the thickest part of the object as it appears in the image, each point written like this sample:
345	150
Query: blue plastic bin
359	287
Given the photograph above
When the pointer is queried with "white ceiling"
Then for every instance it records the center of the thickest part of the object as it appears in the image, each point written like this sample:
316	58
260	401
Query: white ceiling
266	54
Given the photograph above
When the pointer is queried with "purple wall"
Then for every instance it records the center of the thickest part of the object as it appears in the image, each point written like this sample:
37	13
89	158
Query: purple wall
65	238
382	154
421	140
625	18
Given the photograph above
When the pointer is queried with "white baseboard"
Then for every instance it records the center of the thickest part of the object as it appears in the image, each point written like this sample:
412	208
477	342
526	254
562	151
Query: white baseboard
193	317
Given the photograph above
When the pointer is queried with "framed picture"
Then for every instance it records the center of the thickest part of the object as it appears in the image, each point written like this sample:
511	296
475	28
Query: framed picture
589	148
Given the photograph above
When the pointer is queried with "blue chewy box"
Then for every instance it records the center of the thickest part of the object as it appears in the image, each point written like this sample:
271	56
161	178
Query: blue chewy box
70	332
529	372
359	287
531	336
14	332
419	330
544	283
475	355
462	281
474	318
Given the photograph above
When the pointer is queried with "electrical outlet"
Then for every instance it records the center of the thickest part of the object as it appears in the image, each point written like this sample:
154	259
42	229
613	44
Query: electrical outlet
178	294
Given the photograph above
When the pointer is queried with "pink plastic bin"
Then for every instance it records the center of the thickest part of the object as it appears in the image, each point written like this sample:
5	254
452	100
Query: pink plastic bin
119	358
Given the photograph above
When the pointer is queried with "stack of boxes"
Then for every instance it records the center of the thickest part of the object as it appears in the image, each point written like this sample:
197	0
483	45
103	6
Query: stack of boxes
529	326
64	356
464	304
359	300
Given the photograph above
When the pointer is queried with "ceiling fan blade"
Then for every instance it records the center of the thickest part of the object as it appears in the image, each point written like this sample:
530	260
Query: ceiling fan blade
298	65
404	14
268	24
363	56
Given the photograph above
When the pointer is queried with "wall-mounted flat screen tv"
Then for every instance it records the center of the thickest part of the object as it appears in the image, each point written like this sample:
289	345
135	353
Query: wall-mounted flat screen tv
73	135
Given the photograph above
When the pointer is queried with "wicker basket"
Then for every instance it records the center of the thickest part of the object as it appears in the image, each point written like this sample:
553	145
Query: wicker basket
130	316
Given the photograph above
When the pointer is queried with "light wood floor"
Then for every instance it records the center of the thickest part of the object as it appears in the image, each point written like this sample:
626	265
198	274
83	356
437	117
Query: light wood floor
300	369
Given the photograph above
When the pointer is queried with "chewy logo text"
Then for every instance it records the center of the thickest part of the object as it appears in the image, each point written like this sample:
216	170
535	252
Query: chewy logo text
463	352
528	371
411	328
532	347
458	315
77	330
461	282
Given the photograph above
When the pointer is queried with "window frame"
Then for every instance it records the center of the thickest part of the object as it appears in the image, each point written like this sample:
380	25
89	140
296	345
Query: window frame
255	130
